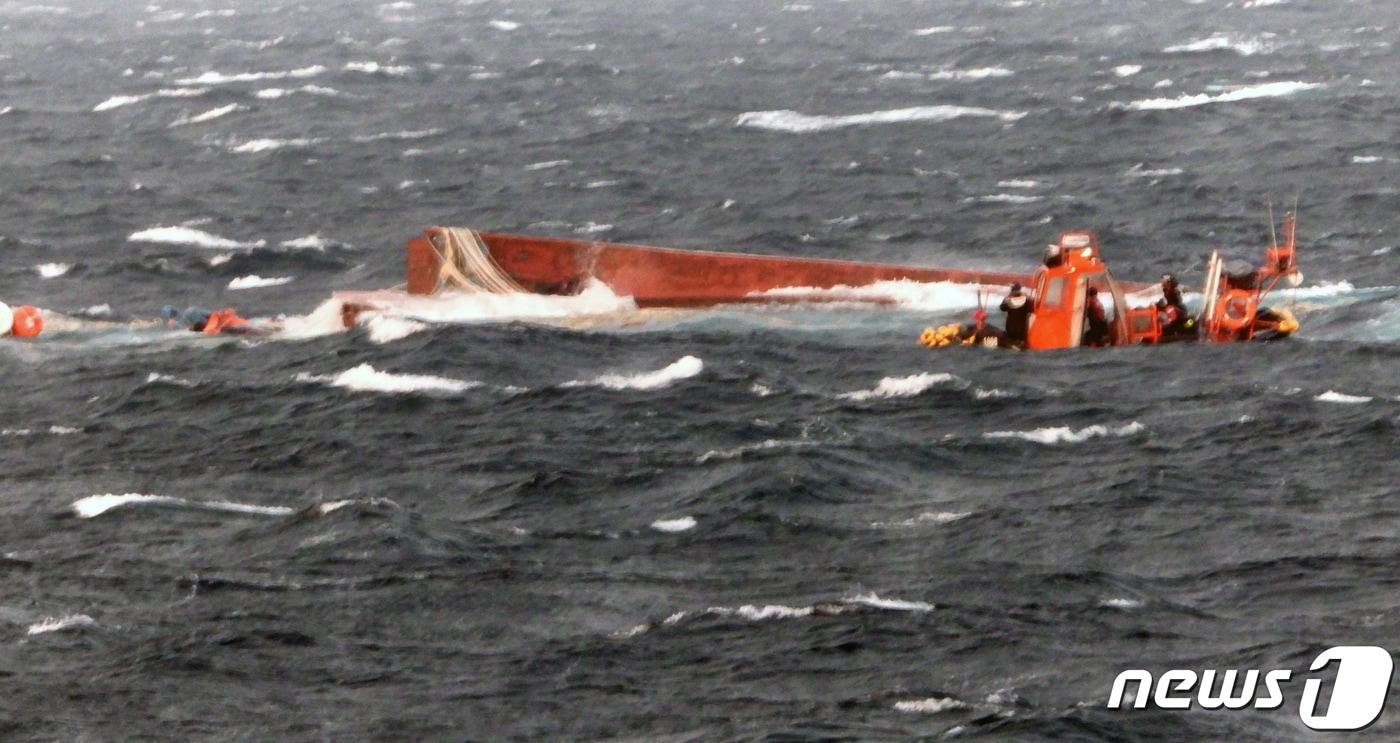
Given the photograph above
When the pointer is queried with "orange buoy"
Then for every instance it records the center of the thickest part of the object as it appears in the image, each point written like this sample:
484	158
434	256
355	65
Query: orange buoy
28	322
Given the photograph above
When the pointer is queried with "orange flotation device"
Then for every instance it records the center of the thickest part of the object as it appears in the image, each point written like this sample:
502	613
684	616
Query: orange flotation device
222	320
28	322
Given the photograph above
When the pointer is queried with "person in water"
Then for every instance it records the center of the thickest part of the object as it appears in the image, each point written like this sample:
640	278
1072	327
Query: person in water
1176	322
1096	332
1017	307
200	320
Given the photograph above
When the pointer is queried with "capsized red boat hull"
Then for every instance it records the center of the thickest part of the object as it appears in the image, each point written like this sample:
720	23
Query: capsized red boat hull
666	277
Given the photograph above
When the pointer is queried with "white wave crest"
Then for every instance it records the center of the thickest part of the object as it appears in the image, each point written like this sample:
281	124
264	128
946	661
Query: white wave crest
190	236
52	270
253	281
117	101
799	123
384	329
220	78
267	144
930	706
209	115
1343	398
504	25
1244	93
927	517
374	68
313	241
674	526
875	602
272	93
909	386
60	624
1244	46
365	378
765	445
96	505
682	368
1127	70
1067	435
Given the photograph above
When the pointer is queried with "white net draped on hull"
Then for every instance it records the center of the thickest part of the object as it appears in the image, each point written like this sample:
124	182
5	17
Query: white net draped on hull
465	264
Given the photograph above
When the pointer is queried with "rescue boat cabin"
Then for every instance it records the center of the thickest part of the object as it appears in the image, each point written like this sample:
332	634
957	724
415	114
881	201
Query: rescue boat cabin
1060	290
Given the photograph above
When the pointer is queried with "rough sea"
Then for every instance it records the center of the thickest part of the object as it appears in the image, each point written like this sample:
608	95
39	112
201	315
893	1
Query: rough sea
567	519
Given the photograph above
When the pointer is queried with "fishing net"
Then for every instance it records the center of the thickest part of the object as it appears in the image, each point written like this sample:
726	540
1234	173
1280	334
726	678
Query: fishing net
466	264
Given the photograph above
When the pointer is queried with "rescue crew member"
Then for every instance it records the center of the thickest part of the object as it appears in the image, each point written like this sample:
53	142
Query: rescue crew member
200	320
1095	320
1017	307
193	318
1175	320
1053	256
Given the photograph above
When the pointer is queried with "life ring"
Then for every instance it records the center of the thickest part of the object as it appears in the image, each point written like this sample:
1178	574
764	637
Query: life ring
28	322
1235	312
7	318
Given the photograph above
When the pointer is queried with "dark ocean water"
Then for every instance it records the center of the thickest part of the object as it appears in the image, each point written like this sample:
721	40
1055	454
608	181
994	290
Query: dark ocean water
734	524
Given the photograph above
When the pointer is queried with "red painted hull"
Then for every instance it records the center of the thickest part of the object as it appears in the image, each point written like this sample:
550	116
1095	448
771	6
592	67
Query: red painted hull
666	277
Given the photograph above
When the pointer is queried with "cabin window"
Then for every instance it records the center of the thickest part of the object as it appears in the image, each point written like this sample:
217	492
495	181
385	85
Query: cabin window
1055	292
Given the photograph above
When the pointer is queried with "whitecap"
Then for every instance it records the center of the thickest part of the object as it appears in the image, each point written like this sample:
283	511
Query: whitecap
1122	604
746	449
1018	183
682	368
1367	159
209	115
365	378
313	241
1343	398
220	78
1138	171
1005	198
799	123
674	526
384	329
1243	93
925	518
547	164
1066	435
875	602
268	144
1243	45
1127	70
158	378
931	30
52	270
60	624
374	68
504	25
273	93
909	386
253	281
96	505
117	101
929	706
189	236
